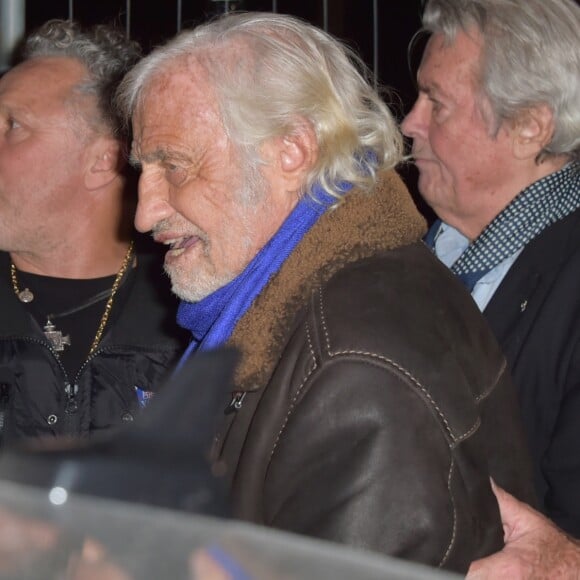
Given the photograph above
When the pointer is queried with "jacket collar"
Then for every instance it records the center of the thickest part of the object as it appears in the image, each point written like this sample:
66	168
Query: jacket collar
525	288
362	225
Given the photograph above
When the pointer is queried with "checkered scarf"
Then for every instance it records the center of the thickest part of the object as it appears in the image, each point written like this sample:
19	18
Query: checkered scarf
543	203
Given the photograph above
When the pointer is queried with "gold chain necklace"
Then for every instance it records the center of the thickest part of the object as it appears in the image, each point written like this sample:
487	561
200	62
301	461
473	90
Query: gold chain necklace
56	337
23	295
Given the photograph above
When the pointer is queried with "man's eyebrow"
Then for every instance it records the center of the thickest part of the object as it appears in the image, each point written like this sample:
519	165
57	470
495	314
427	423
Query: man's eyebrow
158	155
9	109
431	88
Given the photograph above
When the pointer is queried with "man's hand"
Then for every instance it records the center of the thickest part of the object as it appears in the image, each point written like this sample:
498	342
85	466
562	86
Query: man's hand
534	547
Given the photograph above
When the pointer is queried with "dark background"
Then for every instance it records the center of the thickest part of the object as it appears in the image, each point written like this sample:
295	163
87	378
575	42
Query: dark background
151	22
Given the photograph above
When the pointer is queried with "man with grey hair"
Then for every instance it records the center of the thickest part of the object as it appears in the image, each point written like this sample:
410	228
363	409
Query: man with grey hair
496	132
370	404
85	327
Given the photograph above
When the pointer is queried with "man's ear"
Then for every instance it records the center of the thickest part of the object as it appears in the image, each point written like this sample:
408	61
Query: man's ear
292	156
104	163
533	129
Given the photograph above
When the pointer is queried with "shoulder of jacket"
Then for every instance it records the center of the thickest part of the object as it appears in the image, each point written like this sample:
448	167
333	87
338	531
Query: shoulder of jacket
418	325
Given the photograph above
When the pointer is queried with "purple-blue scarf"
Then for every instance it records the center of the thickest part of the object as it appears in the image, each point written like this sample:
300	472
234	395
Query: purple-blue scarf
213	319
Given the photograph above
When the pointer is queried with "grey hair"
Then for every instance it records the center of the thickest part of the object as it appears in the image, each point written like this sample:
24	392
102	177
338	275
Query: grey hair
105	52
531	56
290	71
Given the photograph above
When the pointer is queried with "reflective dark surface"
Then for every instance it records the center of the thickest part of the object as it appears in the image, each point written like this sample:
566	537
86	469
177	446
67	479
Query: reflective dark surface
46	535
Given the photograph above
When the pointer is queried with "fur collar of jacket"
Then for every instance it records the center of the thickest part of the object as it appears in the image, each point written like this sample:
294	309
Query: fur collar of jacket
359	226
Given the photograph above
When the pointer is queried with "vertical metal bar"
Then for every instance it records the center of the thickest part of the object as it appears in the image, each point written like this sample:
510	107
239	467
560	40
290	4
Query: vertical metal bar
274	6
12	18
128	18
178	15
376	42
70	9
325	15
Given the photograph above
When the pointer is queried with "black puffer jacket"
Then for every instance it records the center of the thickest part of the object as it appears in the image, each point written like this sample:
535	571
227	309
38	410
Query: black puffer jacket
141	342
372	401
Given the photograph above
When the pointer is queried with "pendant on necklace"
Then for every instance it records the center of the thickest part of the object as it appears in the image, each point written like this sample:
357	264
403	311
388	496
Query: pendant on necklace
55	336
25	296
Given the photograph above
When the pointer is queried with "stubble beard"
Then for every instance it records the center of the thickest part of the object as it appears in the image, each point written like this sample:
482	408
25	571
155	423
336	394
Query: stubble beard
195	286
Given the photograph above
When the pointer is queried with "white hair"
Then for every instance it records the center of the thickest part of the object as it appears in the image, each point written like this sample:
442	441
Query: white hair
290	71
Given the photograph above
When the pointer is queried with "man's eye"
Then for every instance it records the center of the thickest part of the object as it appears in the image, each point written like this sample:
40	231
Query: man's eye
12	130
12	124
175	174
436	105
8	123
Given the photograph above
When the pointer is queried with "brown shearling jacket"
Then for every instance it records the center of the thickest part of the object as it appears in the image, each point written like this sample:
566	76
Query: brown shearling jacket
372	403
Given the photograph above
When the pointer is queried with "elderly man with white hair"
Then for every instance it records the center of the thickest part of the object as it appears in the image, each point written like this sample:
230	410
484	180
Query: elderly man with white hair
371	403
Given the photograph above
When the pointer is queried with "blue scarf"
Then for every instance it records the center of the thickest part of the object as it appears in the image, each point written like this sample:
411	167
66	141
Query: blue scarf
213	319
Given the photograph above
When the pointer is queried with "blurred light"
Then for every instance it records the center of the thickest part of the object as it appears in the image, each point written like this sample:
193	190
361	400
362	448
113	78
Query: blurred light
58	496
12	20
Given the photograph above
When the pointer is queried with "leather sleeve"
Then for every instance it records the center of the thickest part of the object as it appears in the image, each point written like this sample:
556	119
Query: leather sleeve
369	453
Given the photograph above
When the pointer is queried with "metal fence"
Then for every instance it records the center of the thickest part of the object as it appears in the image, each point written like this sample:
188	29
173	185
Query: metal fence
379	30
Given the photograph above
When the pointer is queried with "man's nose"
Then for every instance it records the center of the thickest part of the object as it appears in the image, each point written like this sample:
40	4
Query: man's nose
152	206
414	124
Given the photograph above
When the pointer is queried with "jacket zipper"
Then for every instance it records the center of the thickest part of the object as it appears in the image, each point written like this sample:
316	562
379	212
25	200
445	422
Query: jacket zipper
236	402
230	413
71	407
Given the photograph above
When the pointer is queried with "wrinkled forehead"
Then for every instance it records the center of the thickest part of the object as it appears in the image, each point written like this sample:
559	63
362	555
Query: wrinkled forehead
177	109
444	58
182	86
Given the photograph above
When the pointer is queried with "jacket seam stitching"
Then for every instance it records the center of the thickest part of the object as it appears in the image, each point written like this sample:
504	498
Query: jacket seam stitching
454	530
417	383
487	392
298	392
455	438
323	321
468	433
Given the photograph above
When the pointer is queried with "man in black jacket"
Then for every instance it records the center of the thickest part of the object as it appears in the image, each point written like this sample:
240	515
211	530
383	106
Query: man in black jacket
495	133
86	329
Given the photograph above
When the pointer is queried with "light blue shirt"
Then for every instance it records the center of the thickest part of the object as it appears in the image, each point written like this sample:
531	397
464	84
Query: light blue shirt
450	244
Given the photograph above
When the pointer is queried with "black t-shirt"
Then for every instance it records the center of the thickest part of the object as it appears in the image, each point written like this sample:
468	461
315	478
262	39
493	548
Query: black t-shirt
65	301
